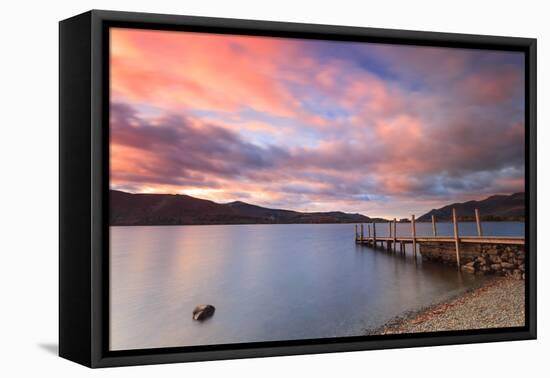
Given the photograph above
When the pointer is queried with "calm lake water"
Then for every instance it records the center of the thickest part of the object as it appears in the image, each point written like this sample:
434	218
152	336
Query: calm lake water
269	282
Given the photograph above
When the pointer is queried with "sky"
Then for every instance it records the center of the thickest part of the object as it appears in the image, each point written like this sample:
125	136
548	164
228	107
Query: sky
310	125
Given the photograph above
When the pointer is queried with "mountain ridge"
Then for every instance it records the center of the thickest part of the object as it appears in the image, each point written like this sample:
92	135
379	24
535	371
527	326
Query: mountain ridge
127	209
498	207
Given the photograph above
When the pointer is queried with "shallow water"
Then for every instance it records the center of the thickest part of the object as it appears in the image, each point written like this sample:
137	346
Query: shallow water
268	282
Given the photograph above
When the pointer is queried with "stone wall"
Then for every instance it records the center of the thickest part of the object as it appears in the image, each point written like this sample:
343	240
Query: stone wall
479	258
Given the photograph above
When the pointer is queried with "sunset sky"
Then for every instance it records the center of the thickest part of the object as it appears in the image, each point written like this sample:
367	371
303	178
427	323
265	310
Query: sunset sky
382	130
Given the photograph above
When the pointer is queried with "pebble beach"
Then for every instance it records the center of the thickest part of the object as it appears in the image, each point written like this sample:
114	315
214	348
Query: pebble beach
500	303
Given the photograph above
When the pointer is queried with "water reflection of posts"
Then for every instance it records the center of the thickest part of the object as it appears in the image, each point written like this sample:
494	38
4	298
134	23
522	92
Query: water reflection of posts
457	243
434	227
413	225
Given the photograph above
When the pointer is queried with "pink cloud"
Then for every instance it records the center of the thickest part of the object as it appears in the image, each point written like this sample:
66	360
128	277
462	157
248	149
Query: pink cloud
193	70
491	86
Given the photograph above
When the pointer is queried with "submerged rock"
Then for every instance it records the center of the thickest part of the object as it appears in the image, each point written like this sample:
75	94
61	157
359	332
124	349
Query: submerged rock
202	312
468	268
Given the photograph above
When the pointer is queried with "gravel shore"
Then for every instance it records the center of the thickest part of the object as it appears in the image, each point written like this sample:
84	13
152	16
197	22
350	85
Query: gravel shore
498	304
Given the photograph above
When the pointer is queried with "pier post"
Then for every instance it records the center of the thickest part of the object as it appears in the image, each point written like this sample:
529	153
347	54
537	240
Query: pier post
388	244
478	223
374	234
457	244
434	227
362	235
394	234
356	233
368	233
413	224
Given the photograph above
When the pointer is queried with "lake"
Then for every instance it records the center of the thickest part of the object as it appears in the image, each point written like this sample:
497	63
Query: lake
269	282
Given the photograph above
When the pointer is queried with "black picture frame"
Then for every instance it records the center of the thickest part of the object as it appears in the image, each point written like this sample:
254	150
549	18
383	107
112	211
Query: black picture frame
84	184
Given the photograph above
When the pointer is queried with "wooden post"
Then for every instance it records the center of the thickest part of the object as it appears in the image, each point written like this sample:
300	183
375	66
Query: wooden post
478	223
413	224
388	244
394	234
362	235
434	227
457	244
374	234
355	232
368	233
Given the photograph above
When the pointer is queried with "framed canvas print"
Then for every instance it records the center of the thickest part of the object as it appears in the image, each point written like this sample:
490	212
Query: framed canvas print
234	188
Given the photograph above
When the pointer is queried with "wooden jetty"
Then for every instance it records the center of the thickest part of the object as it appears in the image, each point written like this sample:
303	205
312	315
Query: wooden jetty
392	240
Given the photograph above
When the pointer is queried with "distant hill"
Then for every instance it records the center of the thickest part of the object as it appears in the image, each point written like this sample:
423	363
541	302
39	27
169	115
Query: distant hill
128	209
498	208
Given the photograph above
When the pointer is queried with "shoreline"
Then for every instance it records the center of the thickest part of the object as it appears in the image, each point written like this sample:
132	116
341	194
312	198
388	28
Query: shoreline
498	303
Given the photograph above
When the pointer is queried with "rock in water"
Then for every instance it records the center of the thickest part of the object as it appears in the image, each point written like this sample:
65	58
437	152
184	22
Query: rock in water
202	312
